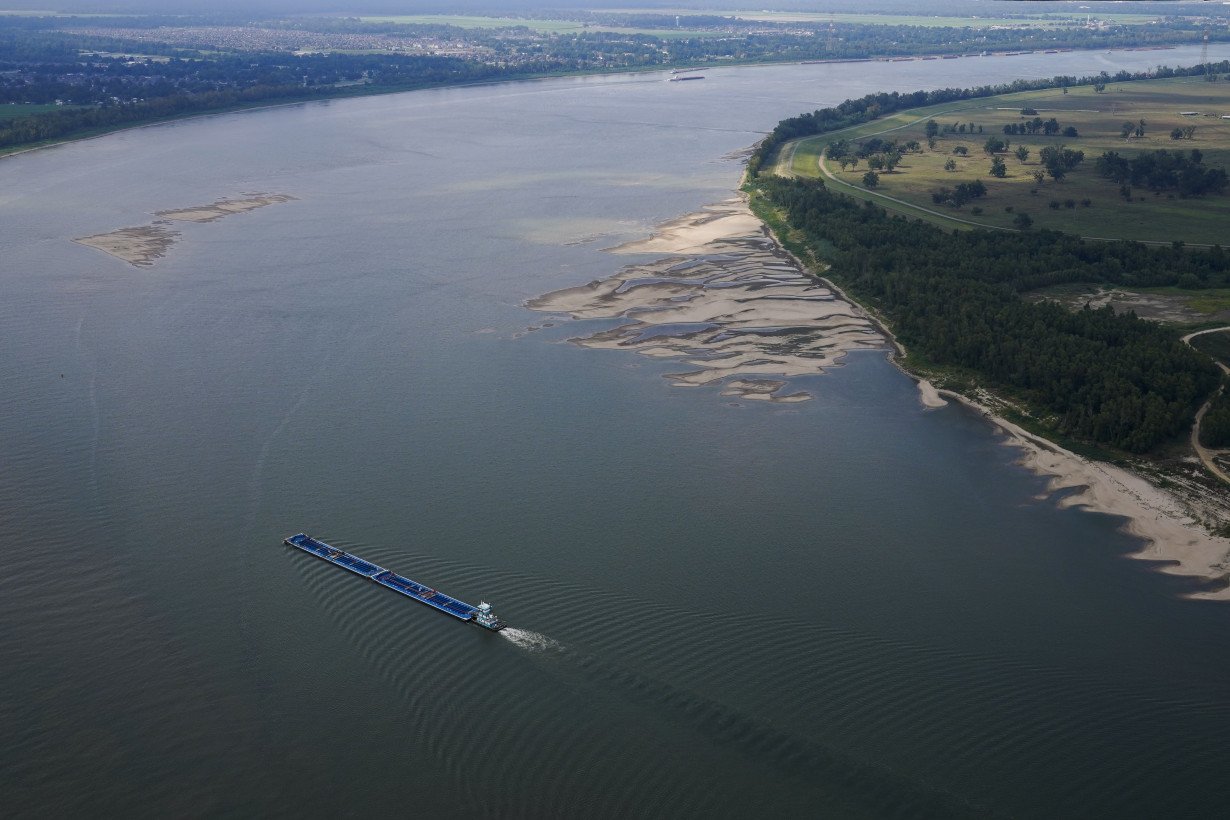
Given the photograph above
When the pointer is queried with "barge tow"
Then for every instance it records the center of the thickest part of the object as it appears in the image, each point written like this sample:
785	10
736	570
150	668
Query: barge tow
480	615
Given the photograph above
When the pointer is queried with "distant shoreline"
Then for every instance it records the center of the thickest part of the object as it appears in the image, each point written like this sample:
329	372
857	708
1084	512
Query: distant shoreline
354	92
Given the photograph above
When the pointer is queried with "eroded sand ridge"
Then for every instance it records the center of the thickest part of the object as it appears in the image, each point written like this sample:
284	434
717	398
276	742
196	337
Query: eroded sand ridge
142	245
727	301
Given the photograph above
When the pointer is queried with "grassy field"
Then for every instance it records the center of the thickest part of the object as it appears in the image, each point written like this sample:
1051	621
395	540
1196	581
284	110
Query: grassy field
547	26
1098	119
8	112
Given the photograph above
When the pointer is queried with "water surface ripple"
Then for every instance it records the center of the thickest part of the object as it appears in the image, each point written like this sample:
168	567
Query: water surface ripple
849	606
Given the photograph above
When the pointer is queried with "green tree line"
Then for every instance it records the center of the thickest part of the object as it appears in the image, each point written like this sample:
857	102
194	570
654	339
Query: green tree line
865	109
954	298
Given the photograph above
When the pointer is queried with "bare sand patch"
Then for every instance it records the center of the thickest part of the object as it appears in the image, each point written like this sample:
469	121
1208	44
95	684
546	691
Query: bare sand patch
1168	308
692	232
139	246
144	244
728	302
929	396
1172	525
223	207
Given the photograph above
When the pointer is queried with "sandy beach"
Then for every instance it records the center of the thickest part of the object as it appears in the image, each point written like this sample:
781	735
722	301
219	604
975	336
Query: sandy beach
731	303
1172	524
143	245
727	301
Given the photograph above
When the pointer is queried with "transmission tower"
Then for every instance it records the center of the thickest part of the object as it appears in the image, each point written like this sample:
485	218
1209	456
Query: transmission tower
1204	56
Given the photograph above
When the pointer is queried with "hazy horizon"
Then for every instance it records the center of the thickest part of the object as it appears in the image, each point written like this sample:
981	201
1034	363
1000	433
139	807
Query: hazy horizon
263	7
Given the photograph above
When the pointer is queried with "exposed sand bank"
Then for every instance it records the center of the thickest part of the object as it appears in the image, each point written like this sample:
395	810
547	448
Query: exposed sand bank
1172	524
733	304
223	208
139	246
929	396
728	302
144	244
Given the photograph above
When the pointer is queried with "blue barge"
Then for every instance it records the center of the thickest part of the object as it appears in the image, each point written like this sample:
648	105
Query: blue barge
481	614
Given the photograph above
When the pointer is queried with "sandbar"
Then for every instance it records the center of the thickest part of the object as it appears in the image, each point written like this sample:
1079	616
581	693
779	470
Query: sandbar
223	208
139	246
728	302
142	245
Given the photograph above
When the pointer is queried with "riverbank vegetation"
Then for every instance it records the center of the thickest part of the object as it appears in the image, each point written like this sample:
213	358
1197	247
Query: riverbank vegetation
954	301
963	301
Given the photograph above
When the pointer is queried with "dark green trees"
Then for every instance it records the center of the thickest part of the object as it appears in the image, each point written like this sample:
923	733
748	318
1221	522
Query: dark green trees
953	298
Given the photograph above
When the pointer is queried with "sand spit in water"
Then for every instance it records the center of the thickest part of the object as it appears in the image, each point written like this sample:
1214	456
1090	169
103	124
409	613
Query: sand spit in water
137	246
223	208
143	245
728	301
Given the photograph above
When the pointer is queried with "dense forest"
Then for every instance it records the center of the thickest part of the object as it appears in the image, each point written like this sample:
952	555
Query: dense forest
1164	170
1215	429
954	299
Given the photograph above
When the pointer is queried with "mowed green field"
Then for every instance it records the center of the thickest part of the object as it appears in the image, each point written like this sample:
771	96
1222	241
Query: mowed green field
546	26
8	112
1098	119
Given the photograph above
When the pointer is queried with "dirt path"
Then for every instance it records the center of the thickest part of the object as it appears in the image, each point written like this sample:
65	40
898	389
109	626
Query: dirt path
1206	455
785	168
824	169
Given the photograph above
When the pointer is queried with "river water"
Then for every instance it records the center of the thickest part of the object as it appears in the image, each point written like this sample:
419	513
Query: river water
850	606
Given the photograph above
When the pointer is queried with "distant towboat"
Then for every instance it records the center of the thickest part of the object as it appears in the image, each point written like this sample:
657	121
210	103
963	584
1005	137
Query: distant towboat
683	77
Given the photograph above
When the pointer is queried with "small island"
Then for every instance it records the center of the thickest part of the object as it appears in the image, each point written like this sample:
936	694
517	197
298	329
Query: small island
143	245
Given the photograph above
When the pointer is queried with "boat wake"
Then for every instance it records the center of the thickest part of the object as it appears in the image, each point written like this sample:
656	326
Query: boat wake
531	641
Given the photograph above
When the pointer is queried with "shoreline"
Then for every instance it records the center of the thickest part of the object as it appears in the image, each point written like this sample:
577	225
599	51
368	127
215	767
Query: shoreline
1168	523
352	94
723	299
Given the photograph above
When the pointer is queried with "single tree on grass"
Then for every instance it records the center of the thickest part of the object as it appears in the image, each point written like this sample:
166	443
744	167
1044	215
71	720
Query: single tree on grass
871	179
950	165
1022	153
1023	221
998	168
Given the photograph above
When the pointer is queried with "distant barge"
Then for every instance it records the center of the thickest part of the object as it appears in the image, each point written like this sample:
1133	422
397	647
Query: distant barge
481	614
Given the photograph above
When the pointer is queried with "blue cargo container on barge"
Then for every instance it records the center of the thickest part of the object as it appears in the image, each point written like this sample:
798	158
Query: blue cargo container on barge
481	614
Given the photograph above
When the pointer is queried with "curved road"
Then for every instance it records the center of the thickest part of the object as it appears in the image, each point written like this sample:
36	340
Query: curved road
785	167
1206	456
